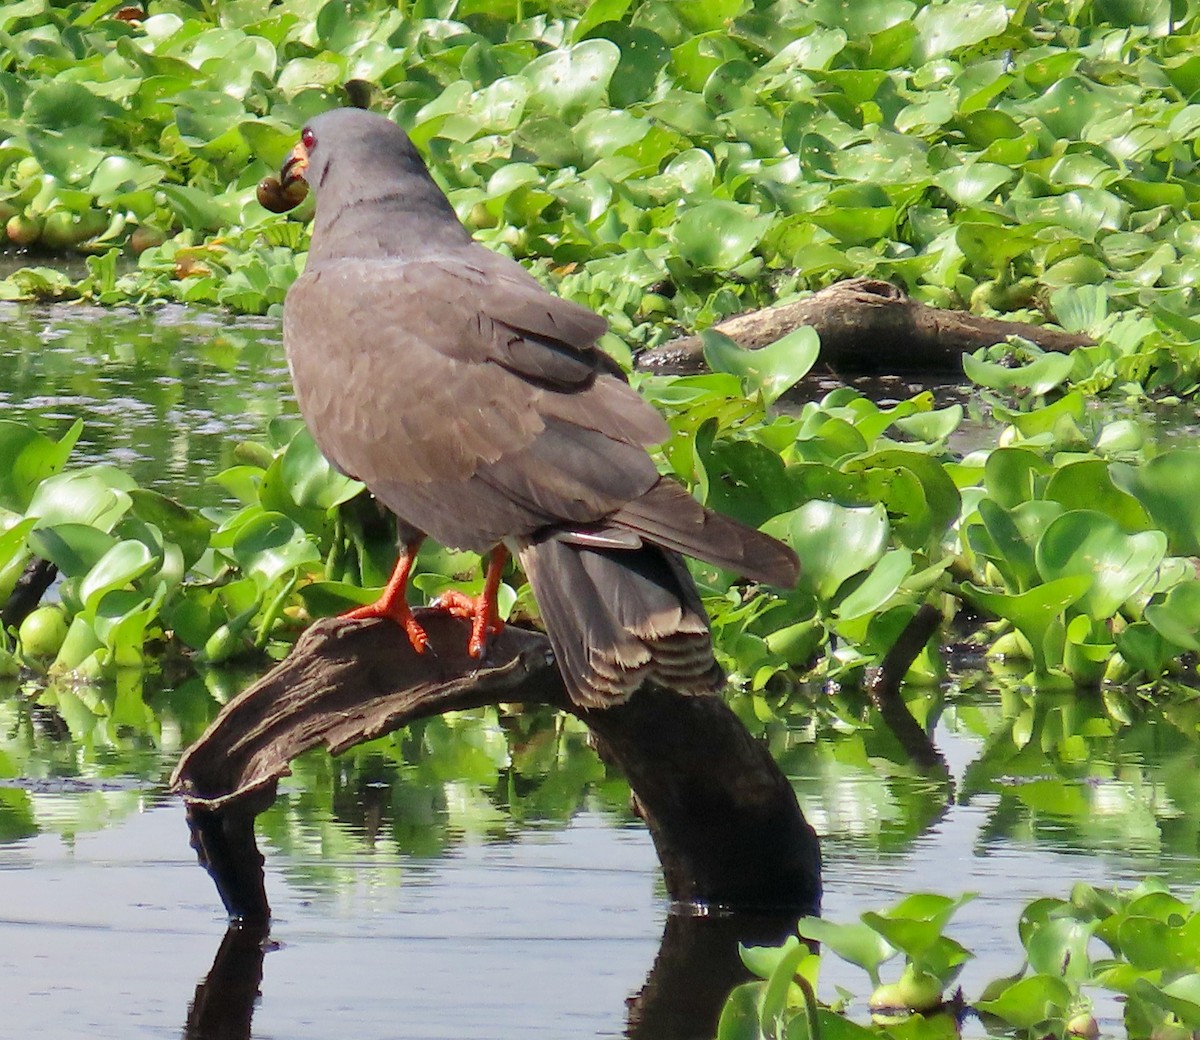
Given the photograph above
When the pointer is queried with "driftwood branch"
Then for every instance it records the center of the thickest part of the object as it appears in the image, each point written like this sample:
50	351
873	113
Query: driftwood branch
31	586
724	820
867	327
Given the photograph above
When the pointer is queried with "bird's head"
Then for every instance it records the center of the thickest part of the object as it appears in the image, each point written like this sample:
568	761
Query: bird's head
362	162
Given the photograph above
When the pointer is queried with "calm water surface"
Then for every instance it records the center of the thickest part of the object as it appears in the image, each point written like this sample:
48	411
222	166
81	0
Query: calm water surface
447	896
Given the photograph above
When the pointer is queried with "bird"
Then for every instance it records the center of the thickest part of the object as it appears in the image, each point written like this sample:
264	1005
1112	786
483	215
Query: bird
476	405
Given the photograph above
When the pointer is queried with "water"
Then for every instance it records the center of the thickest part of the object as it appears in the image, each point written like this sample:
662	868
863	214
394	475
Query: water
167	395
478	877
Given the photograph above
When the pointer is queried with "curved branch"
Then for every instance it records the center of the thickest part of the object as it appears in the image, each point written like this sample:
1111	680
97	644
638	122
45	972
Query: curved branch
724	819
867	327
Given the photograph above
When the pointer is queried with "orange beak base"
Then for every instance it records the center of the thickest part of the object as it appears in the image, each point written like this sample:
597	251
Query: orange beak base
294	166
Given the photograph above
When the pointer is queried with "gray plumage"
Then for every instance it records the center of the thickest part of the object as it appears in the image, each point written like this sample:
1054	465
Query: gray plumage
475	405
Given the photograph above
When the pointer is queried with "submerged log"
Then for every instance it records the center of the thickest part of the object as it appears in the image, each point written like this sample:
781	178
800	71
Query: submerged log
867	327
724	819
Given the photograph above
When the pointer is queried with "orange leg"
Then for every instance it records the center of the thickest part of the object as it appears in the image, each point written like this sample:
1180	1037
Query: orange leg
481	609
393	602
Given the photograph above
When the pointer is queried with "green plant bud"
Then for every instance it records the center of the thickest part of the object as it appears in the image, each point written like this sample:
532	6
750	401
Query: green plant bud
23	230
915	990
42	633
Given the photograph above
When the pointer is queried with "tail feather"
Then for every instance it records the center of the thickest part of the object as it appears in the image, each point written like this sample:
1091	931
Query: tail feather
618	618
668	516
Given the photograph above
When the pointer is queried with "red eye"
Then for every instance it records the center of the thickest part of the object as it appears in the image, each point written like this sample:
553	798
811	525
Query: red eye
308	139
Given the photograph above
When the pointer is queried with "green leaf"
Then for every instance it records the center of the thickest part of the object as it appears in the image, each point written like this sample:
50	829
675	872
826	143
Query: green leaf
944	28
1030	1001
73	548
771	370
574	80
270	545
122	564
97	495
717	234
1085	542
854	942
1035	613
1177	617
309	478
28	458
833	542
1163	487
1037	378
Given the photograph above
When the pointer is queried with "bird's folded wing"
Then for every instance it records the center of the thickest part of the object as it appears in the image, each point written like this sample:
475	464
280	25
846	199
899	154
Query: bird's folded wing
433	370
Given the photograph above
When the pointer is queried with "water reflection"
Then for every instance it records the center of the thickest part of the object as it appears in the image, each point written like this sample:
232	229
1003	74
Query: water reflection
166	394
488	861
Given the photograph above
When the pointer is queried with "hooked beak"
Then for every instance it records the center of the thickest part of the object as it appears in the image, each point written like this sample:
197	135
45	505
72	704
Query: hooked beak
294	166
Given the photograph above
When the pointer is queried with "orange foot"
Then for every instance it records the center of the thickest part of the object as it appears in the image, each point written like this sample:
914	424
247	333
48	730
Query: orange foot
485	621
392	603
399	612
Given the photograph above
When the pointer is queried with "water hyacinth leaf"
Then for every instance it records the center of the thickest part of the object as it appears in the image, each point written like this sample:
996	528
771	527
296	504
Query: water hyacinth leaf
1008	548
1146	942
1082	308
1037	378
1087	484
180	525
1034	613
1030	1001
123	563
1177	617
29	458
739	1014
1181	997
1086	542
973	183
932	427
1060	946
931	907
598	13
780	980
879	586
1015	475
717	234
861	20
271	545
945	28
1160	486
1145	648
940	498
310	480
571	81
771	370
73	548
835	542
852	941
97	495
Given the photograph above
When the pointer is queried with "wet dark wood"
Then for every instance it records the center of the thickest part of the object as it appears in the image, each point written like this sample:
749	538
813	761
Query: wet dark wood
867	327
31	586
724	820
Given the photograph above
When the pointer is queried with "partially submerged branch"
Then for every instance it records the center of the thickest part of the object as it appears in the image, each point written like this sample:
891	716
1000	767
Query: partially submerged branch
867	327
723	818
884	688
31	586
